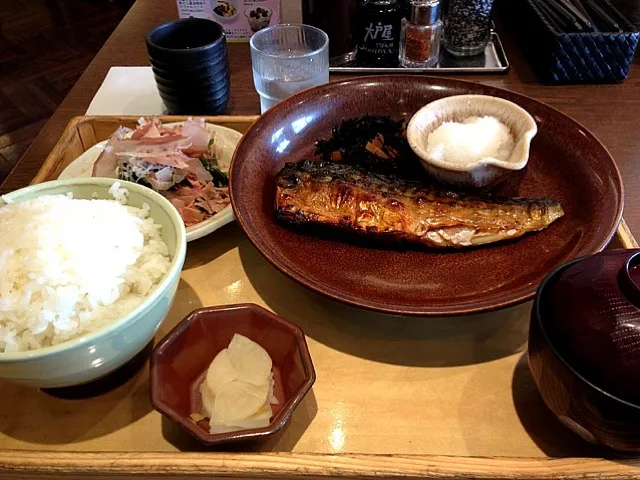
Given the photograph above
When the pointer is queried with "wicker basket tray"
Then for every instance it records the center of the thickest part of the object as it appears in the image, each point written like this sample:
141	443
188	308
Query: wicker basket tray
394	398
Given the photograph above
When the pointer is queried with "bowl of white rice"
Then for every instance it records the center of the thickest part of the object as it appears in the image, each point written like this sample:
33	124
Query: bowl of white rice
88	271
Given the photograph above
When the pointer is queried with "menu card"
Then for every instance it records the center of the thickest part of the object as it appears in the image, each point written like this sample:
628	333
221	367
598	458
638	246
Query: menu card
239	18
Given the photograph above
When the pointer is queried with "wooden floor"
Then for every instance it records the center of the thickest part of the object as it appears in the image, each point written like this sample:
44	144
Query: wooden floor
45	45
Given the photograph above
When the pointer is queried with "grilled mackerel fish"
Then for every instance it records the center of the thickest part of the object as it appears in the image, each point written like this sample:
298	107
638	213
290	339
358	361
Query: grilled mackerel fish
354	200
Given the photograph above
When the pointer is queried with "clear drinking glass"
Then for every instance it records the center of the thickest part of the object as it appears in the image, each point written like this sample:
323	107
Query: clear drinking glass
287	59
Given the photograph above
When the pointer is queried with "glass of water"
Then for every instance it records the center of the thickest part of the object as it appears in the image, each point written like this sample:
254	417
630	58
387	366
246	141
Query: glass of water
287	59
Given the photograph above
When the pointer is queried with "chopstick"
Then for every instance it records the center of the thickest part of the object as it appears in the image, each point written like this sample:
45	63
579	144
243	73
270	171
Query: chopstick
566	14
584	11
604	16
552	17
577	13
621	19
579	16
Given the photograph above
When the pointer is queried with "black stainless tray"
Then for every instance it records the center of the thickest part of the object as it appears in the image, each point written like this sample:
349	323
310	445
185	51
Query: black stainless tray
494	60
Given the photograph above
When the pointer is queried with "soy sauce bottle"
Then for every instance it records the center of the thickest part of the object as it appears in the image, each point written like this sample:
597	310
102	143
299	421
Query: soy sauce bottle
378	33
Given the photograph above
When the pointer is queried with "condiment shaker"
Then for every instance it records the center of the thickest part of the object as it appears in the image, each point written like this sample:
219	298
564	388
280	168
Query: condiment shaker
379	32
466	26
420	34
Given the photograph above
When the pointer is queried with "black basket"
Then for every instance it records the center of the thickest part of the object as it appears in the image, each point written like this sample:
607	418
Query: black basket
561	58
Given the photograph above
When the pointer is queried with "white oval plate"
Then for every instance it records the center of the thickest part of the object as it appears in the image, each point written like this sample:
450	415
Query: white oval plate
226	141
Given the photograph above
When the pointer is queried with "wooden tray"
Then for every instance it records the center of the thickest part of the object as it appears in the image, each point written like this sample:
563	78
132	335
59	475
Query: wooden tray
395	397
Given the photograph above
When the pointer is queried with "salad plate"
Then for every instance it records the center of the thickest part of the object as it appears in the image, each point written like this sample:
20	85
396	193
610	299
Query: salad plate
225	139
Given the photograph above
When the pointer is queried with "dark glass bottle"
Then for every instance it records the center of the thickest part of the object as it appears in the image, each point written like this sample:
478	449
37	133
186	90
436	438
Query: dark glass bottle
337	18
379	32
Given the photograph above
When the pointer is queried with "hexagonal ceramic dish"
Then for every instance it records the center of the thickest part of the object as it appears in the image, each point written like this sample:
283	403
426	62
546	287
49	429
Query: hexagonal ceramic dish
180	361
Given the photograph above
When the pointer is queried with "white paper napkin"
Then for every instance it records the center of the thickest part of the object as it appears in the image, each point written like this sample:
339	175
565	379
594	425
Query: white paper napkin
127	91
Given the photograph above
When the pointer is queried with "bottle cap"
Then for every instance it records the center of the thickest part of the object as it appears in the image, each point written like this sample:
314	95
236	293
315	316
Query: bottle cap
424	12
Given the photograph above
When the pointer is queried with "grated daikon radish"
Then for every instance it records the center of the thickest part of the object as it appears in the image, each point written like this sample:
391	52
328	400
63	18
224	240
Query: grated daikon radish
470	141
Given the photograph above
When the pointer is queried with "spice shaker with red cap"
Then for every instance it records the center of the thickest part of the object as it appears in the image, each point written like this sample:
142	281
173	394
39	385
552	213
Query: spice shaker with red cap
420	34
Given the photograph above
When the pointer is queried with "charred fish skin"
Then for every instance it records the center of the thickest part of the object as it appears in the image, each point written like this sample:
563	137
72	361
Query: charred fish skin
354	200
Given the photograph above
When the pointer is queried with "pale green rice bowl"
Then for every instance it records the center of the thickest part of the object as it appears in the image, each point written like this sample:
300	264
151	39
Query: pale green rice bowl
95	354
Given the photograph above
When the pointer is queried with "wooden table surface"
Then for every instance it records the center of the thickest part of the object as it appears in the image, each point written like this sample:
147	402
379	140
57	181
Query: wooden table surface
611	112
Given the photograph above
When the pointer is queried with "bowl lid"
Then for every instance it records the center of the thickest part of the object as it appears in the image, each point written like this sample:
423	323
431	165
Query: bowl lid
592	316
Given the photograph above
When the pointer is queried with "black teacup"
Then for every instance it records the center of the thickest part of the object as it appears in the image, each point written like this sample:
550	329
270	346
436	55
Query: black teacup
201	107
192	56
198	76
173	94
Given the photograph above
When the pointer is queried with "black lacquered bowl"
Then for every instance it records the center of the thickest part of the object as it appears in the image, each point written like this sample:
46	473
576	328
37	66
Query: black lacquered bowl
573	390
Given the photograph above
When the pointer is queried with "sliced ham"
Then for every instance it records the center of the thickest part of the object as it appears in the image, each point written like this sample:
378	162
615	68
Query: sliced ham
197	131
153	132
143	128
163	180
172	175
178	203
175	159
106	164
196	167
147	144
169	159
165	175
151	129
211	191
213	199
121	133
158	185
187	195
201	196
175	140
184	199
191	215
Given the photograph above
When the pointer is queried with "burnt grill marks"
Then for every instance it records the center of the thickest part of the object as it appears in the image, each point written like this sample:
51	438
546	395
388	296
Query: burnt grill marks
350	199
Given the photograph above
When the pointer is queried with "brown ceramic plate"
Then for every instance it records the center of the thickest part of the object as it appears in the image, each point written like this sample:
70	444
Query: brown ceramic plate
567	163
